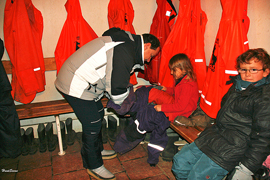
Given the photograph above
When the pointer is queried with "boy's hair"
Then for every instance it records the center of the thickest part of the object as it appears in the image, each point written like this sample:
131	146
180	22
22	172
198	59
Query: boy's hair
182	62
149	38
257	55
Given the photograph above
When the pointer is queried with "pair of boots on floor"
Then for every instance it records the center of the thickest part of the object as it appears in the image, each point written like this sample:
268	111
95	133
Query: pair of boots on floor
113	130
47	140
69	137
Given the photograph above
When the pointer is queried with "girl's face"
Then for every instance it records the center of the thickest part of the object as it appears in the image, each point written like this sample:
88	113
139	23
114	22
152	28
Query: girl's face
253	71
177	73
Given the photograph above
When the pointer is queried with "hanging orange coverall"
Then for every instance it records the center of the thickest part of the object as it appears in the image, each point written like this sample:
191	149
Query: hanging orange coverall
121	15
76	32
187	36
23	28
161	27
231	41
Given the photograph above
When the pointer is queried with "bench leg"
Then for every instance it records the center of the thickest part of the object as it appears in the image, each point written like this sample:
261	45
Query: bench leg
61	153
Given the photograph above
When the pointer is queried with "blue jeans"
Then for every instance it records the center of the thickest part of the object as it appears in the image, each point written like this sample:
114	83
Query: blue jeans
191	163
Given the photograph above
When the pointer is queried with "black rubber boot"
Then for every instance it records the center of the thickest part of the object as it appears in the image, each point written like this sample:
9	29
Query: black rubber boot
104	131
129	120
122	124
25	147
147	137
29	133
51	139
42	138
71	134
63	135
170	150
112	127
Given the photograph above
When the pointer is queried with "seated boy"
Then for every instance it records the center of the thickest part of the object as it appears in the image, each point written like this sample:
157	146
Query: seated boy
240	139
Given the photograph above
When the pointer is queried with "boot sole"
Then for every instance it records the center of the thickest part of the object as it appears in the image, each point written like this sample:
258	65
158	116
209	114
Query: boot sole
167	159
109	156
95	175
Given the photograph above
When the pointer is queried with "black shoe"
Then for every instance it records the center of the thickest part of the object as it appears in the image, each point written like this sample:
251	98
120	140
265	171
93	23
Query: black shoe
170	150
25	147
51	138
42	138
71	134
63	135
104	131
29	133
112	127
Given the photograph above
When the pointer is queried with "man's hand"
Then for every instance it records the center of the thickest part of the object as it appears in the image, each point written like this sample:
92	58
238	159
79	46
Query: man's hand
157	108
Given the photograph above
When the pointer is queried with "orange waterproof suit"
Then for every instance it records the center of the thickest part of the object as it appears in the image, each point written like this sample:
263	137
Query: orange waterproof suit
76	32
23	28
187	36
121	15
163	19
231	41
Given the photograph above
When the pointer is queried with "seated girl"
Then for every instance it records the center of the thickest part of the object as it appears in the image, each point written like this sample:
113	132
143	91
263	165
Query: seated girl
180	100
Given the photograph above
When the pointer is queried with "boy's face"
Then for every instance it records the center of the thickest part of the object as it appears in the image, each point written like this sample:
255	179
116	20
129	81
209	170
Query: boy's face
177	73
253	77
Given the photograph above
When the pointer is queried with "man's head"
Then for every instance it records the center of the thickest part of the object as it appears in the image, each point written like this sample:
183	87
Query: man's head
151	46
253	65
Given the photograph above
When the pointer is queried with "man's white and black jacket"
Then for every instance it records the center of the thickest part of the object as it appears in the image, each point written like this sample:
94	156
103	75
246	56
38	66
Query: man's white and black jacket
103	64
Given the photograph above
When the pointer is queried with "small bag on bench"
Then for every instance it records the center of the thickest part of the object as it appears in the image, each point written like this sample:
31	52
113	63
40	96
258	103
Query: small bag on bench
197	118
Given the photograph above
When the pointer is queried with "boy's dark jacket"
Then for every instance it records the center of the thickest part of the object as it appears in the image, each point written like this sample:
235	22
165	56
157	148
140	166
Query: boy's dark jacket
242	129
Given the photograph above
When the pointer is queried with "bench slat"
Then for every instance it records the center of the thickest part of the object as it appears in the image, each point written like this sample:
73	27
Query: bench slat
47	108
188	133
49	63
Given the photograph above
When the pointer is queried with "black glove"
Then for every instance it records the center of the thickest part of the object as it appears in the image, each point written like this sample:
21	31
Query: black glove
157	87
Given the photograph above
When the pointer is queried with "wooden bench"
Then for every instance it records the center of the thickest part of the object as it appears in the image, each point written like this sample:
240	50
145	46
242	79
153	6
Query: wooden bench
47	108
188	133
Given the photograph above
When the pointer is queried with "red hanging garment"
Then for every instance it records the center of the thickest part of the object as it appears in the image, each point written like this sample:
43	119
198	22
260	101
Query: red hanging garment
162	21
23	28
76	32
187	36
121	15
198	58
231	41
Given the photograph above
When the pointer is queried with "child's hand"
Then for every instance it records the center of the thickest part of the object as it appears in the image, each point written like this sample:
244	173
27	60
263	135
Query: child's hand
157	108
164	88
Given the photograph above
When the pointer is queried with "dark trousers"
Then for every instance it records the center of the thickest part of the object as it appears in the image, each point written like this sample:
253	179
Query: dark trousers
90	114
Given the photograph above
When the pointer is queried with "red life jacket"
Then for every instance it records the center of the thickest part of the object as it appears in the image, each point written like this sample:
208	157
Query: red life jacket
23	28
231	41
161	27
187	36
121	15
75	33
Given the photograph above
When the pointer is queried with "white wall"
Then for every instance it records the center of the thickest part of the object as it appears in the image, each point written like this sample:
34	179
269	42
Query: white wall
95	13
